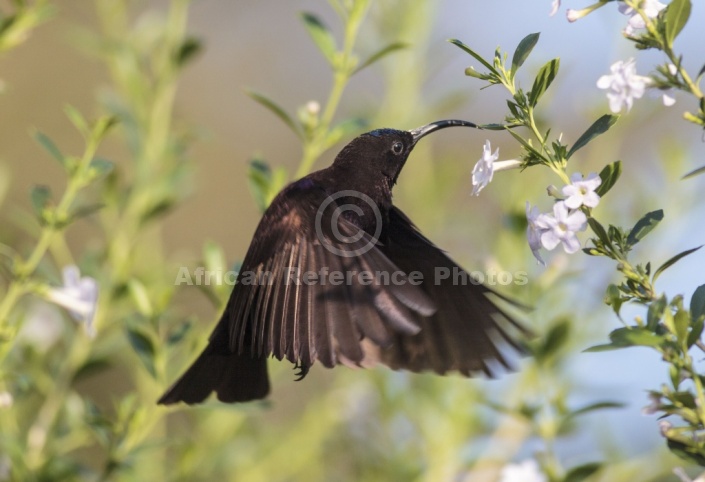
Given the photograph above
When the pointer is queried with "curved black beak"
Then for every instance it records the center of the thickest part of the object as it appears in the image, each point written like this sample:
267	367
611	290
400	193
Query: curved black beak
419	132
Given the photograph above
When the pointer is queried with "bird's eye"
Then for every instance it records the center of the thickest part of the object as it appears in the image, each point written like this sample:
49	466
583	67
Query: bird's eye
397	148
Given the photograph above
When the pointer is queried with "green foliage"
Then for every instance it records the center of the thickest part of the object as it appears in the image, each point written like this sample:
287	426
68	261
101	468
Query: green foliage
59	427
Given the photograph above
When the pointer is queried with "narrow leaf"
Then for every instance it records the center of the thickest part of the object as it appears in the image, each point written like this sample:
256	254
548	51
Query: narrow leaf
144	347
600	126
543	80
655	313
50	147
179	333
594	407
276	110
259	176
188	50
635	337
695	172
523	50
477	56
555	339
673	261
101	167
40	196
321	35
697	303
599	231
77	119
380	54
582	472
609	175
681	322
644	226
677	14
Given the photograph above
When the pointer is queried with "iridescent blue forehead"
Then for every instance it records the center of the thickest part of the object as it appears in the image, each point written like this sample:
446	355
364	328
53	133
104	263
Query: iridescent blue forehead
382	132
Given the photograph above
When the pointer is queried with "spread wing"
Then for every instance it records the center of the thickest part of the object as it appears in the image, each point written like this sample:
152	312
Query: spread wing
288	303
468	332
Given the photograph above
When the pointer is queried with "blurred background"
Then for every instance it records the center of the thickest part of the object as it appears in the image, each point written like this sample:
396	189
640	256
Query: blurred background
343	424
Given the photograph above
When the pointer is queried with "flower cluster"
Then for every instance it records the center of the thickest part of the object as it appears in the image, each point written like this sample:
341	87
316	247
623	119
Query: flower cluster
79	295
546	230
567	219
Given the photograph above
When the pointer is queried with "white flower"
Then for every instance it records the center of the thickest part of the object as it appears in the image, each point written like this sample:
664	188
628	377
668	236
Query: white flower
624	85
651	9
572	15
533	232
6	399
554	7
484	169
582	192
313	107
654	404
526	471
78	295
561	228
664	426
668	98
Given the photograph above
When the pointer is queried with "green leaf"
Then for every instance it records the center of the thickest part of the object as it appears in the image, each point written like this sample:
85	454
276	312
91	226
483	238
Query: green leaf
655	313
543	80
673	261
556	338
321	35
613	298
380	54
144	348
681	322
600	126
695	172
77	119
626	337
477	56
523	50
697	303
103	125
50	147
276	110
594	407
677	14
140	297
100	167
188	50
259	176
40	196
582	472
344	129
91	367
609	175
525	143
686	451
179	333
644	226
696	331
599	231
635	337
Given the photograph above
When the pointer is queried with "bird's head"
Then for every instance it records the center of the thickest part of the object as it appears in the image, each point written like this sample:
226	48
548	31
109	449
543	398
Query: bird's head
382	153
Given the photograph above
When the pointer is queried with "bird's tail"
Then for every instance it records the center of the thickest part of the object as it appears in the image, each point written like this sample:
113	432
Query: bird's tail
234	377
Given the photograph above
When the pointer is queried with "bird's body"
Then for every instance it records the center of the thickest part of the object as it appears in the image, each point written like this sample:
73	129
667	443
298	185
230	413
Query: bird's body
337	274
